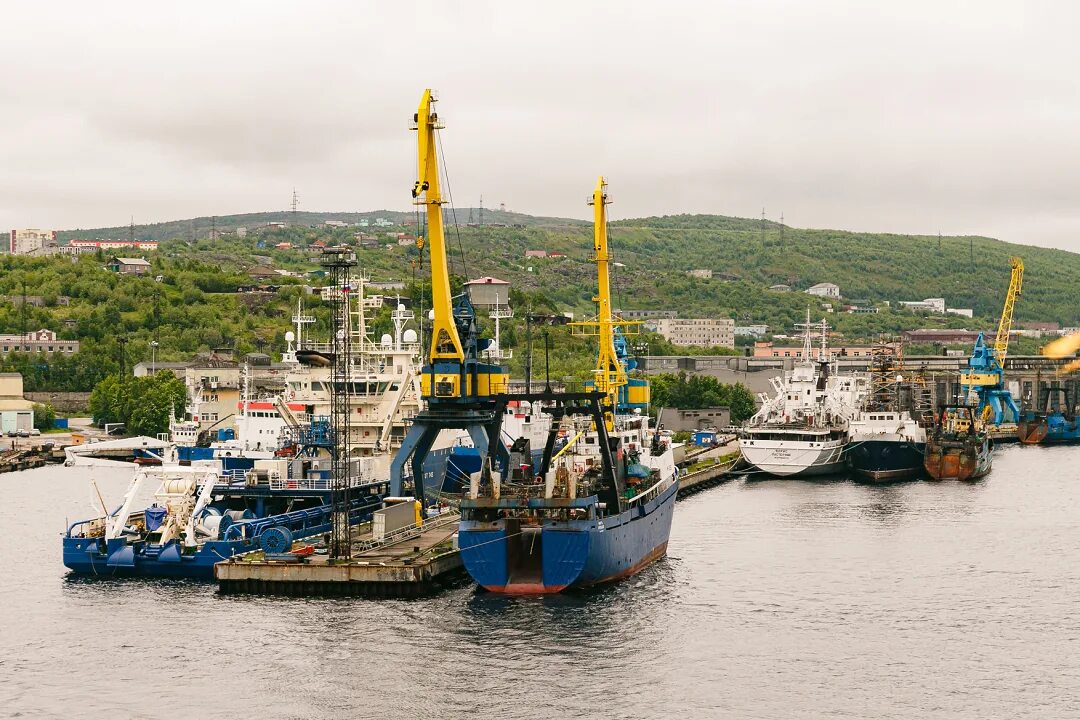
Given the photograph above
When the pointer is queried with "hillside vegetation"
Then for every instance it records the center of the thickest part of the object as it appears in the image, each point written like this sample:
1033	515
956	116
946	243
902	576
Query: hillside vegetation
195	307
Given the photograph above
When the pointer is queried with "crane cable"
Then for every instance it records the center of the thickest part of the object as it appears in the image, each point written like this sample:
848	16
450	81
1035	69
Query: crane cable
453	209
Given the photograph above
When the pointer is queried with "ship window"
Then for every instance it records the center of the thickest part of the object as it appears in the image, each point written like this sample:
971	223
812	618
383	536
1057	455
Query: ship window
316	385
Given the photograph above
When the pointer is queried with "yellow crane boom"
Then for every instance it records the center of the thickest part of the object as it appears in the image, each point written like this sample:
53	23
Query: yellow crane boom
445	344
1016	286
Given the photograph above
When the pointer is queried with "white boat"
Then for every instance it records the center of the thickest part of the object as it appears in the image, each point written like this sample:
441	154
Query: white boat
803	429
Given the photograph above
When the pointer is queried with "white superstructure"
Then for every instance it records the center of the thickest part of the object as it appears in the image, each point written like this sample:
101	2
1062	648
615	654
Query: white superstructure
803	428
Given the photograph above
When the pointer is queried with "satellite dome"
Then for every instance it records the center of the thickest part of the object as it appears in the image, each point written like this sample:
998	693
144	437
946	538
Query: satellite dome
401	306
410	336
289	336
387	341
430	314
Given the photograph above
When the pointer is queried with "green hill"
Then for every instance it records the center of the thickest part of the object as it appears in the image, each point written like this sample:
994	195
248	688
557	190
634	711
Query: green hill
196	307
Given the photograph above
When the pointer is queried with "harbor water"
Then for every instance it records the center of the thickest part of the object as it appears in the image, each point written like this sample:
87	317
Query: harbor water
778	599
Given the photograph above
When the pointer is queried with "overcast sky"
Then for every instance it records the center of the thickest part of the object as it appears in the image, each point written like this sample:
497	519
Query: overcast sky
926	117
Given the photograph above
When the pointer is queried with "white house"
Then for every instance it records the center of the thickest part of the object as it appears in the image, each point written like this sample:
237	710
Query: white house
825	290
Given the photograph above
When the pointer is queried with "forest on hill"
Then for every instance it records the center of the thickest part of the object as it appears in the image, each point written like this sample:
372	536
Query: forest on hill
196	305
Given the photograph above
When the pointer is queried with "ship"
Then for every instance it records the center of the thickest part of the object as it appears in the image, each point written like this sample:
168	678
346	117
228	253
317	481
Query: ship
1053	421
600	506
886	445
959	446
803	429
887	440
201	515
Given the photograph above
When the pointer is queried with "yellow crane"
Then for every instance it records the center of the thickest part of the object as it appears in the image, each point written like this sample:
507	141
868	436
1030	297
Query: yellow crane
453	372
609	376
986	366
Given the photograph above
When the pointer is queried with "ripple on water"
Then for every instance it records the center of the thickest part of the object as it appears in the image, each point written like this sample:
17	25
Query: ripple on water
777	599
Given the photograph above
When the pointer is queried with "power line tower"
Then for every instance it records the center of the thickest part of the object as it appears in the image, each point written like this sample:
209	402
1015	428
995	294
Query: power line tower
295	201
339	263
481	211
213	227
781	229
763	226
939	242
131	231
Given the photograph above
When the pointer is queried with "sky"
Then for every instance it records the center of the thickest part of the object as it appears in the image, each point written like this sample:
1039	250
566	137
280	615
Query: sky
910	117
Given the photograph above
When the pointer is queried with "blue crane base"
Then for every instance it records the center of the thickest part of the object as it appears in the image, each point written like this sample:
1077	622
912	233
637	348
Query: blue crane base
421	437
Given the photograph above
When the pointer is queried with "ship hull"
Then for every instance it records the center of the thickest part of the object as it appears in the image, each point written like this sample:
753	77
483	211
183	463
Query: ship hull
504	557
958	460
1048	430
792	459
884	460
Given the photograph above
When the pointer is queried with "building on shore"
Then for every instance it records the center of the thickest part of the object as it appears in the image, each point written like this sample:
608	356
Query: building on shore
38	341
128	266
769	350
32	241
825	289
699	419
92	245
698	332
16	412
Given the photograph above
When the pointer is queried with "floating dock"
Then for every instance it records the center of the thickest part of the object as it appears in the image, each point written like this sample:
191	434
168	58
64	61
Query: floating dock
412	563
15	460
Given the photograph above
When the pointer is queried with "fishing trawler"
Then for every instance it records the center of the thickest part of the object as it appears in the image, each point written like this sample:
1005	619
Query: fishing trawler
597	509
959	447
886	441
803	429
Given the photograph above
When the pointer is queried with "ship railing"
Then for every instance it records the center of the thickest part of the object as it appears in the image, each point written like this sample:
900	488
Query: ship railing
280	483
409	531
233	476
651	494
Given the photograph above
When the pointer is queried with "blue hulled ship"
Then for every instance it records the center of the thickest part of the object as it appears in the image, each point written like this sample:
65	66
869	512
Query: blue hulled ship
600	505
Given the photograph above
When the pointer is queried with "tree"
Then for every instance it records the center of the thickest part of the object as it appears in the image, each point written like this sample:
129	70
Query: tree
693	392
44	417
143	404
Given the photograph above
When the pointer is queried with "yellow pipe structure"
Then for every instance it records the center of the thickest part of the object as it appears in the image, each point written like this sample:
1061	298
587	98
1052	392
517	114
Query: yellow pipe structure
569	445
445	342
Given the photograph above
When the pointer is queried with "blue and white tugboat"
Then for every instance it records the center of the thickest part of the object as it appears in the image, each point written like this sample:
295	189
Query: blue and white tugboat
600	506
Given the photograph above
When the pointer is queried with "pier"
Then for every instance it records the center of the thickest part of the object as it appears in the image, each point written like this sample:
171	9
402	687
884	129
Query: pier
413	562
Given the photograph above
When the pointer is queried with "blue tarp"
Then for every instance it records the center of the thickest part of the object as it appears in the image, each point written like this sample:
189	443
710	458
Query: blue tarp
154	517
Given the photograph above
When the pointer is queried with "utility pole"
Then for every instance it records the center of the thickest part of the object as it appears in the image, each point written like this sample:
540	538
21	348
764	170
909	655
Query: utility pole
482	214
781	229
122	342
762	226
131	231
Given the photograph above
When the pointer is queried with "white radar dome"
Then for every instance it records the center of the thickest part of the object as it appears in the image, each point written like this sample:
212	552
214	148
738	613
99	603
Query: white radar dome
430	314
401	306
290	336
387	341
410	336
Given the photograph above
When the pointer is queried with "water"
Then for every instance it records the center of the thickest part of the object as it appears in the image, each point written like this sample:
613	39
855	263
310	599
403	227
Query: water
779	599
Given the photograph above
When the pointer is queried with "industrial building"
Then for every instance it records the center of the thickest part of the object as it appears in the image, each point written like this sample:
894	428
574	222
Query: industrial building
38	341
16	413
700	332
31	241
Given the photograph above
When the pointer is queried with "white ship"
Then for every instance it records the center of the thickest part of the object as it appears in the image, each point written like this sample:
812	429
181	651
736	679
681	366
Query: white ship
804	428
